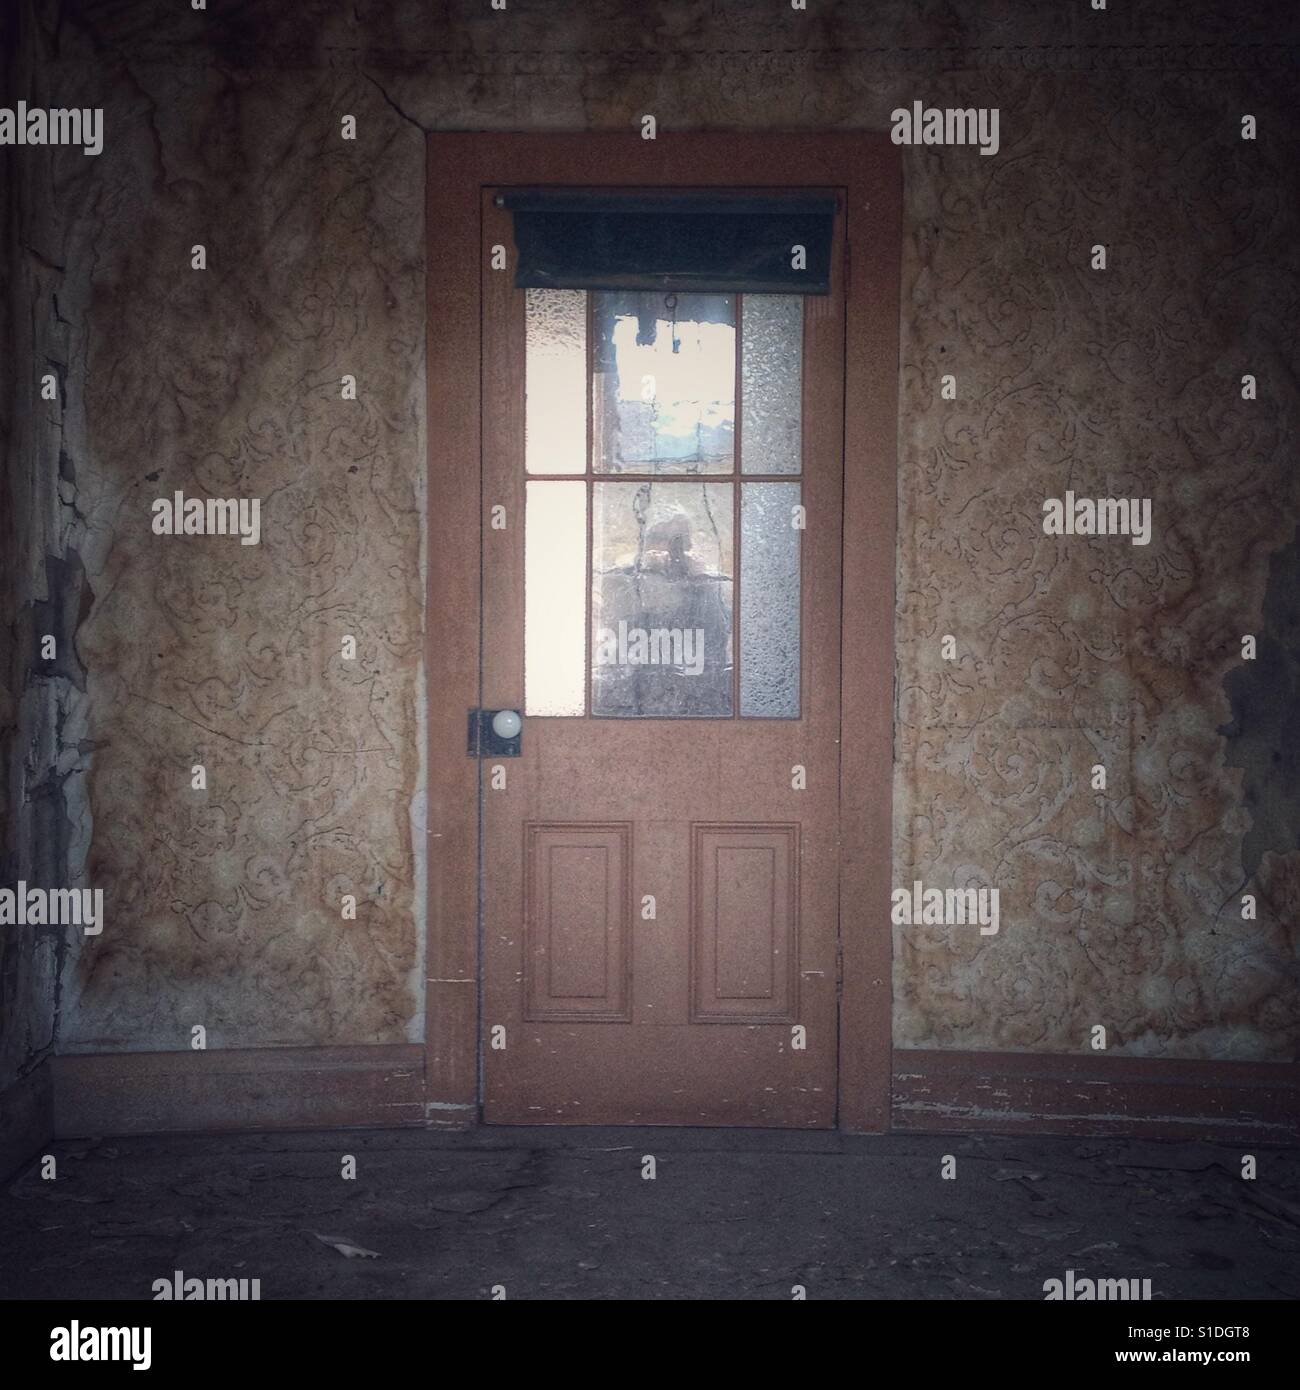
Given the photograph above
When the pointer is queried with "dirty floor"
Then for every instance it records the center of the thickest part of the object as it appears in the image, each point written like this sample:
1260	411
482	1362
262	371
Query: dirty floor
547	1213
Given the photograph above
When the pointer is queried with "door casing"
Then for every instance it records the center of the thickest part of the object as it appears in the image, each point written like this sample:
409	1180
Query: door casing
867	170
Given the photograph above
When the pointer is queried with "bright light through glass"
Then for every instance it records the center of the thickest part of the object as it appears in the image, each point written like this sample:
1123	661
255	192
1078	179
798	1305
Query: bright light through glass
664	394
555	376
555	597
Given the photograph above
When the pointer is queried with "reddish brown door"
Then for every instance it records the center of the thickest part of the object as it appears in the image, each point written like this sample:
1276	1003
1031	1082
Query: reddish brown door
661	600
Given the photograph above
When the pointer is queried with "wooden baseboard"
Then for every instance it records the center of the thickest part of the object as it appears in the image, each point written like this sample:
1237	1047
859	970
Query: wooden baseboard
26	1119
383	1087
1023	1092
252	1089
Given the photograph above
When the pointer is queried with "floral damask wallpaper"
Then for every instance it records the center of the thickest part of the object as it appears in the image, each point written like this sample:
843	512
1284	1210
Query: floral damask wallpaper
1119	907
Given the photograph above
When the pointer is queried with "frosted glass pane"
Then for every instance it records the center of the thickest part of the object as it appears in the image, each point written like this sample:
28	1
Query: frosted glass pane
771	376
769	601
664	393
662	566
555	381
555	597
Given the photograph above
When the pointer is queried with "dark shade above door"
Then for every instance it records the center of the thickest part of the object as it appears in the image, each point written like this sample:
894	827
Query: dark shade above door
601	239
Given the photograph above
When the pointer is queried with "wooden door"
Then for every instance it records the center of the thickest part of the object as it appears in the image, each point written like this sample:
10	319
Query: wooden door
662	507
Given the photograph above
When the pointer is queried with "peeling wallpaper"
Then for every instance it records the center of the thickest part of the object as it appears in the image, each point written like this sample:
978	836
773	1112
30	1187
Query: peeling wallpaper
1119	908
230	656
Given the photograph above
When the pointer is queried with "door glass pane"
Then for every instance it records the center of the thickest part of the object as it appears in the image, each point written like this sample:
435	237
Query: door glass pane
555	381
771	392
664	393
662	566
555	597
769	601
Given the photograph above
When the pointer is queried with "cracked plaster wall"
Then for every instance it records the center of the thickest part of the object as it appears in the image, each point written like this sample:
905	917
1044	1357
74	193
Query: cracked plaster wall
223	128
44	820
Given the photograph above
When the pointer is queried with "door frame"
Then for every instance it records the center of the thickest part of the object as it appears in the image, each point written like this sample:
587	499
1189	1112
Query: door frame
868	170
